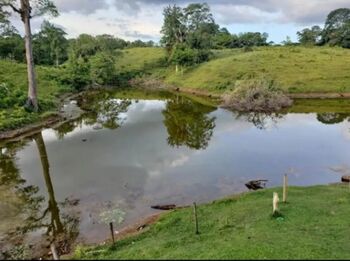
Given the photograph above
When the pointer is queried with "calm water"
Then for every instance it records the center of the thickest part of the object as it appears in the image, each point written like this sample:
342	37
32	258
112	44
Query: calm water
126	155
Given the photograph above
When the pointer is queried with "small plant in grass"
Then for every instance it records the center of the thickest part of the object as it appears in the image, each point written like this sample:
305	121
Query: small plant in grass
256	95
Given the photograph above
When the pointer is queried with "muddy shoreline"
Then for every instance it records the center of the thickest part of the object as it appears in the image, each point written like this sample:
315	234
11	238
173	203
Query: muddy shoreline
62	116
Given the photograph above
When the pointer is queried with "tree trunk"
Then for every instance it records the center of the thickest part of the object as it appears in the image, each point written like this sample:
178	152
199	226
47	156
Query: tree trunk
32	101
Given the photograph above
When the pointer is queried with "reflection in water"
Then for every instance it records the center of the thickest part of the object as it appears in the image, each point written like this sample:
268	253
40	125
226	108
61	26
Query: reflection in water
55	226
188	124
260	119
104	111
59	228
332	118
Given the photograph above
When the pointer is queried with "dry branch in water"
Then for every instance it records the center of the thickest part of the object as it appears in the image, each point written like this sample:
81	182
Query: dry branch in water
256	95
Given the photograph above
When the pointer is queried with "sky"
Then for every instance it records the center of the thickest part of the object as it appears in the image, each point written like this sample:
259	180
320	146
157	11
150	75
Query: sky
143	19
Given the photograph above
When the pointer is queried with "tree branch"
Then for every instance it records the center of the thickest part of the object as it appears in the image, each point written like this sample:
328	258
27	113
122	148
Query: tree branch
15	8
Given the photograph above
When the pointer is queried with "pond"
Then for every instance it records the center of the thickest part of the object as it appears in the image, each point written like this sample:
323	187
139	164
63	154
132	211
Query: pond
128	153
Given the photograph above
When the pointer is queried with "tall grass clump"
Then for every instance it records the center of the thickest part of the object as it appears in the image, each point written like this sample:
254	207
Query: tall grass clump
256	95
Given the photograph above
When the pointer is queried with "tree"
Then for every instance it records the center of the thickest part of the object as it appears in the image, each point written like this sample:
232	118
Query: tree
50	45
223	39
85	46
109	43
27	9
337	28
201	26
310	36
174	29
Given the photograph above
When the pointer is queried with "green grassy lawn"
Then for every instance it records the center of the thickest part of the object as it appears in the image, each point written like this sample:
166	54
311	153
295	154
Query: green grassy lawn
315	225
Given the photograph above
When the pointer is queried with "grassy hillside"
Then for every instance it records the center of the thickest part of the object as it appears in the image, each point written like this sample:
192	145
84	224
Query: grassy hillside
139	59
296	69
314	226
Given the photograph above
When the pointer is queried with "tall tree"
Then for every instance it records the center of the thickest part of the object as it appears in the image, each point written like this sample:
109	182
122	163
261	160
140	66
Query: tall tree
27	9
309	36
337	27
50	45
201	26
174	29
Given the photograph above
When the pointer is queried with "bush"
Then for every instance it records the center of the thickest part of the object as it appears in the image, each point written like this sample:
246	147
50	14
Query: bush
256	95
102	69
76	73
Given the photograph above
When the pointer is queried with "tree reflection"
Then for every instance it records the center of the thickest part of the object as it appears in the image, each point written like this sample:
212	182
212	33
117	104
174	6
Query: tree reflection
261	120
188	123
59	227
332	118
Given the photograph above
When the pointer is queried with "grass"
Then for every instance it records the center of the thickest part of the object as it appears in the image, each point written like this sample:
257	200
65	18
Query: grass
320	106
296	69
314	226
14	75
139	59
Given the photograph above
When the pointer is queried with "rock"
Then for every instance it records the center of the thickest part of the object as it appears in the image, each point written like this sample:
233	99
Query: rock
256	184
84	140
345	179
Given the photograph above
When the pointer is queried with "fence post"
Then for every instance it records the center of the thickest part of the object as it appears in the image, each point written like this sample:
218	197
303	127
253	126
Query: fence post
275	201
285	188
112	231
195	217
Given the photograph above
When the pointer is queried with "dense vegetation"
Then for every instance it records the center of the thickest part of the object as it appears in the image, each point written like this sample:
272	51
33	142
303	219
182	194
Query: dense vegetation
313	226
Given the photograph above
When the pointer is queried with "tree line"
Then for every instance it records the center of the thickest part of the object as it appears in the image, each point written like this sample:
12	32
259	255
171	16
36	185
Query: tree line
189	33
336	31
52	47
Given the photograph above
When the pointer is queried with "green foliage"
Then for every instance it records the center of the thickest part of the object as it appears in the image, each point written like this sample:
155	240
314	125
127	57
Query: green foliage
337	28
314	226
188	33
310	36
13	93
12	47
50	46
76	73
102	68
188	123
84	46
109	43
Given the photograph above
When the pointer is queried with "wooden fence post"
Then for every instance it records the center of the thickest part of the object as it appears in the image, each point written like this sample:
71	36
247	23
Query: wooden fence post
275	201
285	188
195	217
112	231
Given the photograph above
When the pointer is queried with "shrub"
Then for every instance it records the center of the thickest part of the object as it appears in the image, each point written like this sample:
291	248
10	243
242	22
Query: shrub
102	68
256	95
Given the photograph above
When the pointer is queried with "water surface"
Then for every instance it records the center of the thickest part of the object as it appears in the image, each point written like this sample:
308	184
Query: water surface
125	155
